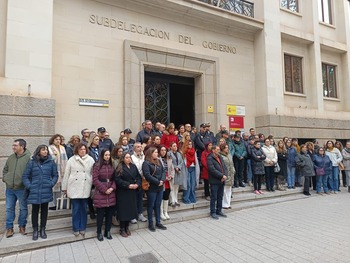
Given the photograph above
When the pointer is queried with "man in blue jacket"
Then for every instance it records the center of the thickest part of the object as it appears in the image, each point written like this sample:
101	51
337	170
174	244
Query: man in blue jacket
217	171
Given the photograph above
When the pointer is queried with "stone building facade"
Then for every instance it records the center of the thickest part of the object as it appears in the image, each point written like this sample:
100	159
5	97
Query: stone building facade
287	65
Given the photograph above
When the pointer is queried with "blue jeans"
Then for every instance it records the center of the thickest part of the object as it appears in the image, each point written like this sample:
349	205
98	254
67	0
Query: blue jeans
321	180
216	195
154	200
190	193
11	198
333	179
249	165
291	176
139	200
79	216
270	177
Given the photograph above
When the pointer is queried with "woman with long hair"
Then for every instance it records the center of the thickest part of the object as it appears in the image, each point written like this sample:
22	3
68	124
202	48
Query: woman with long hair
291	165
169	136
74	140
340	147
128	181
205	175
59	156
180	173
39	178
154	173
93	146
124	144
282	156
77	182
193	171
304	161
116	155
334	154
169	175
228	160
269	163
311	151
323	168
104	194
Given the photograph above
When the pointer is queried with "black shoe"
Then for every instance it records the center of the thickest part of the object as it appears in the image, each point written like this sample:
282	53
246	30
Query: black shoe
235	185
272	190
99	237
306	193
52	208
221	214
160	226
242	184
108	235
43	233
214	216
151	228
35	233
92	216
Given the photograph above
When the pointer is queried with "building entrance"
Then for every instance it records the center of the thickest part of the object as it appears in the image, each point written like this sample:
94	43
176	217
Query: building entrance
169	98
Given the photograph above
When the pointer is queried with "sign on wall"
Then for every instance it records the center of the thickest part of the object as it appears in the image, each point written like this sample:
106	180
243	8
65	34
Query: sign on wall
93	102
236	122
235	110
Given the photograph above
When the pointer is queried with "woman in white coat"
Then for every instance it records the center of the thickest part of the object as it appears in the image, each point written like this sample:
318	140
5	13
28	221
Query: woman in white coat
76	184
334	154
269	164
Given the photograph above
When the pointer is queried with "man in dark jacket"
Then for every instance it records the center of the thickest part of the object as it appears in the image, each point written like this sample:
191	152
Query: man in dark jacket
238	160
217	171
12	177
146	131
105	143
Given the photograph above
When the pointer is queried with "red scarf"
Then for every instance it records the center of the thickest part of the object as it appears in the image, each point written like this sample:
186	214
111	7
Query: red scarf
190	157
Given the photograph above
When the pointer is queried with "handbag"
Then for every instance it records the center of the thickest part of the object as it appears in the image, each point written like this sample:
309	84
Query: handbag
277	168
145	183
341	166
63	202
320	171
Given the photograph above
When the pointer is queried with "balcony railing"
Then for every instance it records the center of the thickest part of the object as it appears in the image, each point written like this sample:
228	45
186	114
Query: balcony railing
237	6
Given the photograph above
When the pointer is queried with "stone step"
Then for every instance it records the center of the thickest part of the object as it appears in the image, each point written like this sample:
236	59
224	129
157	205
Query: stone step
59	229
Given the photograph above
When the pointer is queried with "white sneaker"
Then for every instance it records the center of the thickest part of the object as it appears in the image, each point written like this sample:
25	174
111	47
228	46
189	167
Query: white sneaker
134	221
142	218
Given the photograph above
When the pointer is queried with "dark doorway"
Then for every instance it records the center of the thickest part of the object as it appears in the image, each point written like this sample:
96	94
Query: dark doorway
169	98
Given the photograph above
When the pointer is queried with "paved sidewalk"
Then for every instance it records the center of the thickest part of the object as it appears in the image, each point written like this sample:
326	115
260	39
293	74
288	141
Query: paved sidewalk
315	229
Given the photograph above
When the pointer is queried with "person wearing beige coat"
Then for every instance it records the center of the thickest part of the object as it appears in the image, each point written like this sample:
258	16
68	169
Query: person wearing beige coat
77	182
269	164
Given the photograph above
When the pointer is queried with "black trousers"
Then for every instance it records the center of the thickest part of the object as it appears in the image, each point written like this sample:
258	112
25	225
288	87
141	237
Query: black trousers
307	184
257	181
206	187
239	167
107	212
44	209
166	194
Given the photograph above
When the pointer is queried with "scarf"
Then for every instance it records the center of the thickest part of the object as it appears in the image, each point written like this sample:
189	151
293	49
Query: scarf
190	157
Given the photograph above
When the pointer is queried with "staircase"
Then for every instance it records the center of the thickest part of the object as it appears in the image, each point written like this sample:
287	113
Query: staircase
59	225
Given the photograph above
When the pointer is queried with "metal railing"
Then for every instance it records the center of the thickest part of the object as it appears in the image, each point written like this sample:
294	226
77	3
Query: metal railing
237	6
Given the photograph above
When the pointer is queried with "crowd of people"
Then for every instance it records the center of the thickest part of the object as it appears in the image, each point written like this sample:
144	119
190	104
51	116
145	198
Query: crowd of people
110	180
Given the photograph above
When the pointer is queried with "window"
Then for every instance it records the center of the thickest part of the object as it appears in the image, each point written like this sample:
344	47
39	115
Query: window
329	81
325	11
291	5
293	73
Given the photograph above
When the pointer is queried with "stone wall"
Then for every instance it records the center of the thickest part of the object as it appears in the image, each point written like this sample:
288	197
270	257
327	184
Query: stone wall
32	119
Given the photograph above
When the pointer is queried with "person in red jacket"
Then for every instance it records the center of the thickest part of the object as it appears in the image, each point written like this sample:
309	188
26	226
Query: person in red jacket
169	136
205	176
104	195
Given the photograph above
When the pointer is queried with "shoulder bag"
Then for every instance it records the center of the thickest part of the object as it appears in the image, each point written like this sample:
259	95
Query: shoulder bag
145	183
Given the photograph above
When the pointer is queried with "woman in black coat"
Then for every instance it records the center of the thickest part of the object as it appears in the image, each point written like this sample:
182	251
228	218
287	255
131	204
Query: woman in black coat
282	155
258	169
128	180
39	178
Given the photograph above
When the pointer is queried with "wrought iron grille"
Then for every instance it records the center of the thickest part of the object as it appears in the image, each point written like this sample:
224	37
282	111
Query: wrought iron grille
237	6
156	101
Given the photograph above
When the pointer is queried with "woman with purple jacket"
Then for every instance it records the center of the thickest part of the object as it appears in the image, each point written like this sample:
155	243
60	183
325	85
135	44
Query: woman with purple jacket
104	196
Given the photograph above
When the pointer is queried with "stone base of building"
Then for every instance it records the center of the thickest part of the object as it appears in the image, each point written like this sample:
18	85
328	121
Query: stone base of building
303	127
32	119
